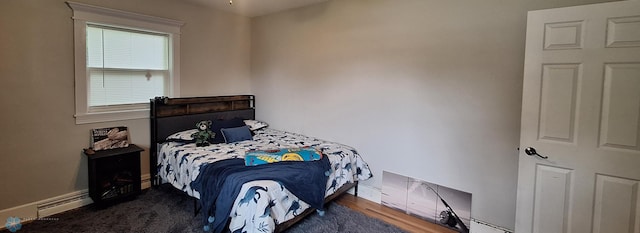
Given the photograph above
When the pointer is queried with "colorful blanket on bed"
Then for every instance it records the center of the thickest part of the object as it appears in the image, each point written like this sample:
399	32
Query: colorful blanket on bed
219	185
259	157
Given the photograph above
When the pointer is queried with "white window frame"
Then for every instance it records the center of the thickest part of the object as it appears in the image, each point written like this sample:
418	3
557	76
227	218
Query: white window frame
84	14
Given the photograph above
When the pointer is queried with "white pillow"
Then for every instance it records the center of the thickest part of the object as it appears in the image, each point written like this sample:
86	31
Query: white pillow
255	125
186	135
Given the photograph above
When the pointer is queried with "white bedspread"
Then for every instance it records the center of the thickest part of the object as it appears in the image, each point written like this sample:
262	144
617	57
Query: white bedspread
261	204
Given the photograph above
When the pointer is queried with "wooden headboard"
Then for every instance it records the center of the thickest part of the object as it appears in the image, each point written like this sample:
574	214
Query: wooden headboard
171	115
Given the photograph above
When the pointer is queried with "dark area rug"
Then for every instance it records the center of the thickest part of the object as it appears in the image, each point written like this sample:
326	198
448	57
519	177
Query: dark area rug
165	209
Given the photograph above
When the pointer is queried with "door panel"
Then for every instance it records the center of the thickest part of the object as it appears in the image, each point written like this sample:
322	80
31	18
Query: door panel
558	102
581	108
553	194
620	128
617	208
623	32
563	35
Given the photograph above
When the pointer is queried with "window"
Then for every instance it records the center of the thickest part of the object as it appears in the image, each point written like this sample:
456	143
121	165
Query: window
122	60
125	67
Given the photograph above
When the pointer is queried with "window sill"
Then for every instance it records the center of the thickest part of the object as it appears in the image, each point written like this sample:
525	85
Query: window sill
86	118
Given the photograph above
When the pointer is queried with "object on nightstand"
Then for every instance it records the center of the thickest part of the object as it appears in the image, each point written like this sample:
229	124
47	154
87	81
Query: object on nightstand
109	138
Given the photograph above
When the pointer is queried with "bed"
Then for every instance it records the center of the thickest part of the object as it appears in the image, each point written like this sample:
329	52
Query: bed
263	197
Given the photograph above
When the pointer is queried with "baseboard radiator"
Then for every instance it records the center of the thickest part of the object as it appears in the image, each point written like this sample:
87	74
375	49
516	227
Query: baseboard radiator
42	209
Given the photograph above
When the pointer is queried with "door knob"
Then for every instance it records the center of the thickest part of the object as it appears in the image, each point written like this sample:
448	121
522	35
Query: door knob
532	151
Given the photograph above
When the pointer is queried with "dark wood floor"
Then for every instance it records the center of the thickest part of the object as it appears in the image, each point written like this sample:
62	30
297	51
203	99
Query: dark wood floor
400	219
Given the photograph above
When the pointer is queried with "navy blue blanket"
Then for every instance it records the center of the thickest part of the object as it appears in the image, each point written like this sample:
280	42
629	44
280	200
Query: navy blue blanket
219	184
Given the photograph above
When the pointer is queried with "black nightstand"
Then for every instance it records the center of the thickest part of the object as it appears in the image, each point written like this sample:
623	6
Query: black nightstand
114	174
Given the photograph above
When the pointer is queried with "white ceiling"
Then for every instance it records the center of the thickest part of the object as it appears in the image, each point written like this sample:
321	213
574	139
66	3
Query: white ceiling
252	8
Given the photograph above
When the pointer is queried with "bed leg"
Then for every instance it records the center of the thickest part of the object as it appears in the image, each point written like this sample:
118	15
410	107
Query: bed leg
355	190
196	208
154	181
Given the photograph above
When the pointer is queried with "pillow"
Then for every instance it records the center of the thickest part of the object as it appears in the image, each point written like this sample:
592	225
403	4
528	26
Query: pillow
182	136
224	124
236	134
255	125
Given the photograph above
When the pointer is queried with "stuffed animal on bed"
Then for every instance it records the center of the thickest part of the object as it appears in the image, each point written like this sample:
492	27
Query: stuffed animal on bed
204	133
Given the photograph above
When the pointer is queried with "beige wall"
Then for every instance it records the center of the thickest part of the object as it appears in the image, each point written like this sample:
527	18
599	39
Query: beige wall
40	144
429	89
424	88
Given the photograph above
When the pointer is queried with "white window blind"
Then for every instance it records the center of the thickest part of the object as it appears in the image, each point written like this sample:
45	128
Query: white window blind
122	59
125	67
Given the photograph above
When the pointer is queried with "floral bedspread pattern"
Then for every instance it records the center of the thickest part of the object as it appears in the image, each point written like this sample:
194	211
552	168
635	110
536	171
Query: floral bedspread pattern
261	204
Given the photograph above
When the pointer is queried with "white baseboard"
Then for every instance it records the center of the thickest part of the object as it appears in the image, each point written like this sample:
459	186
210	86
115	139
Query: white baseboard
368	192
26	211
145	181
478	226
40	209
58	204
63	203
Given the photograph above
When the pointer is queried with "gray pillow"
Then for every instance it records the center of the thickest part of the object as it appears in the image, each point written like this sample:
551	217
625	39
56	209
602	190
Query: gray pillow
236	134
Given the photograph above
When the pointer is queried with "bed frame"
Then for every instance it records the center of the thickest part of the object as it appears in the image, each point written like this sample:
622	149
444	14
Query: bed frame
170	115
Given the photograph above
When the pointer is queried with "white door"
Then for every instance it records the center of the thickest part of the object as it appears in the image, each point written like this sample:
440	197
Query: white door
581	108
